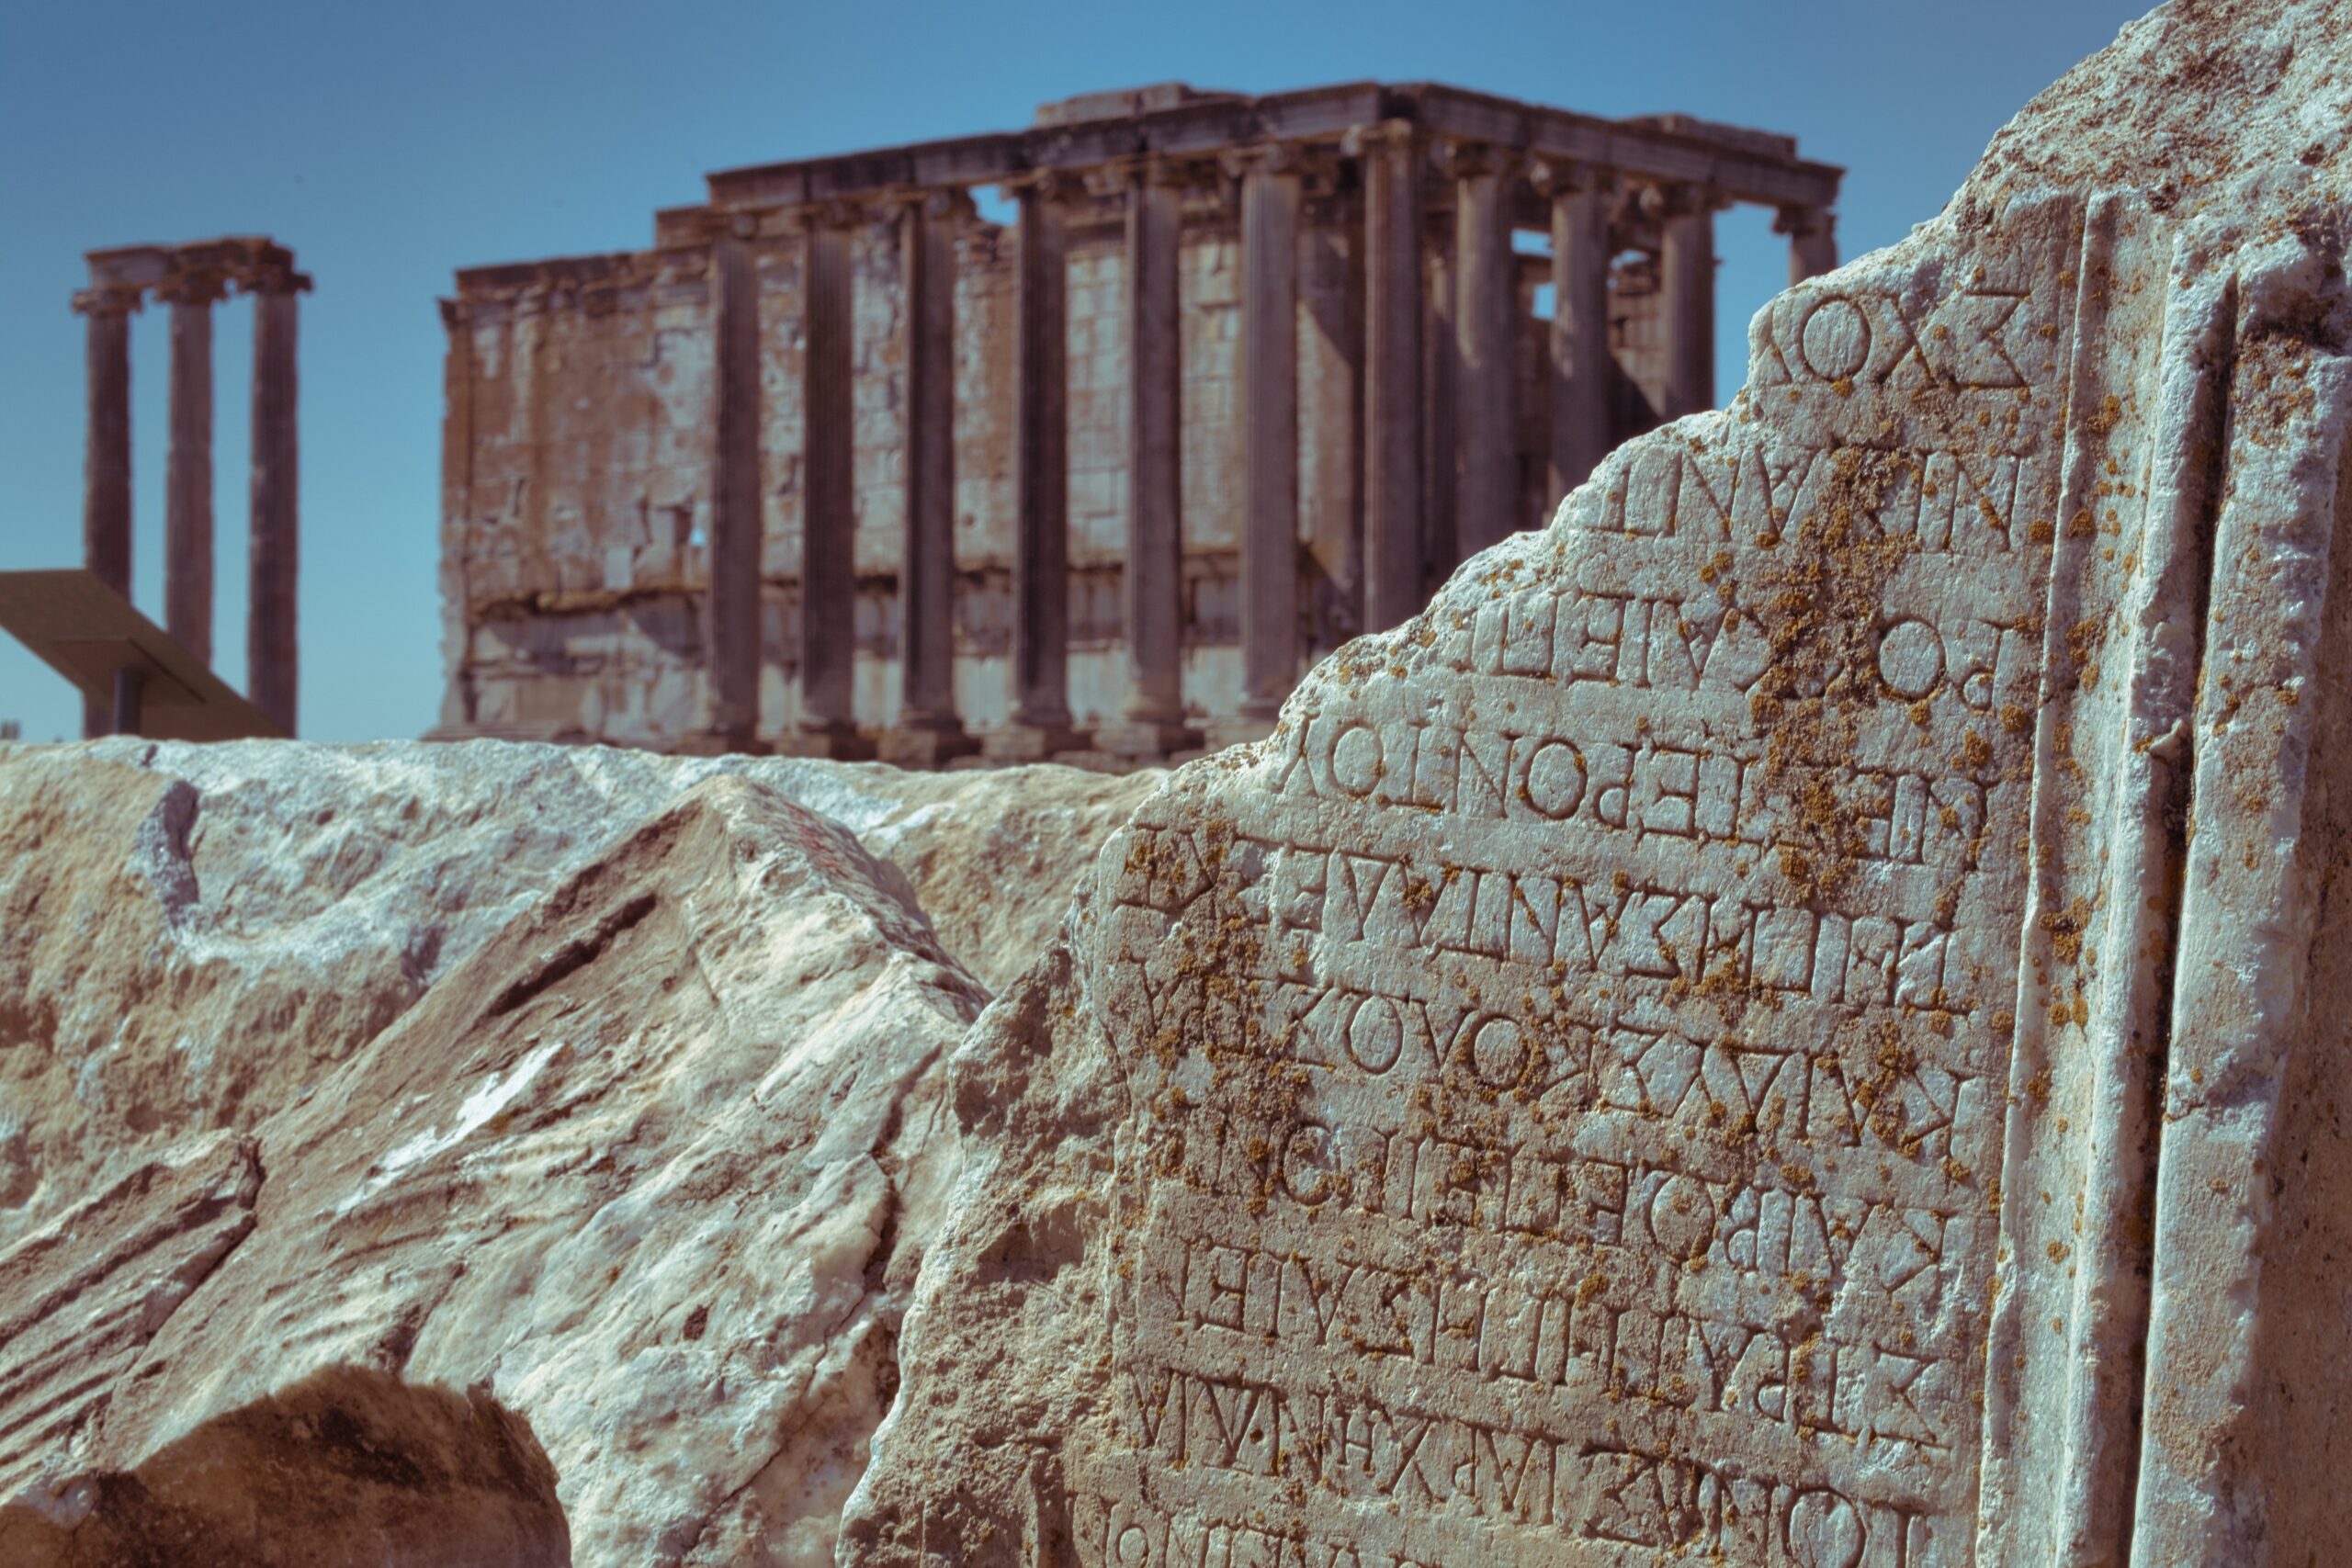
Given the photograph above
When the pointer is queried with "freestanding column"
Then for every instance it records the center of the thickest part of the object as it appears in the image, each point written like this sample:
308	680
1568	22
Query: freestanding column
1687	285
1152	718
106	453
1268	404
273	674
1813	241
1582	370
929	732
827	724
737	529
1040	725
188	485
1389	165
1485	302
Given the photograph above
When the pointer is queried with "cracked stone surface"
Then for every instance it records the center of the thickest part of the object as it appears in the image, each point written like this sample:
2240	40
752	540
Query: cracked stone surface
643	1159
1792	1017
195	937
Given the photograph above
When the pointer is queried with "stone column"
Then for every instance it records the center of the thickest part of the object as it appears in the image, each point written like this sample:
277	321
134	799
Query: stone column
1040	725
1582	370
1485	303
106	453
1813	241
1151	721
1331	410
1390	164
828	726
928	731
1441	457
1268	378
1686	290
188	484
738	529
273	672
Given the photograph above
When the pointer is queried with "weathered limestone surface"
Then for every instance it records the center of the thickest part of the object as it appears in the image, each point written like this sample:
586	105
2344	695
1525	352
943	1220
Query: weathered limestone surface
603	1087
652	1166
195	937
1774	1017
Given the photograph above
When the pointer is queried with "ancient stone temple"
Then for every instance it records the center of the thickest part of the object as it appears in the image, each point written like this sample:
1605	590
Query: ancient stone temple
192	278
839	463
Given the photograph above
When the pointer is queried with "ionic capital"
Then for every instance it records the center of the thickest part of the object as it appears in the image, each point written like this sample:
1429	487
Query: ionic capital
273	278
1044	185
108	299
193	286
1557	177
1799	221
951	205
832	212
1680	200
1361	140
1261	158
1470	160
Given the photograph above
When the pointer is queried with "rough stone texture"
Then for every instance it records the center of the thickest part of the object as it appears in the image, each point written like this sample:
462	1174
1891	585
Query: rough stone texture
194	937
1752	1029
650	1169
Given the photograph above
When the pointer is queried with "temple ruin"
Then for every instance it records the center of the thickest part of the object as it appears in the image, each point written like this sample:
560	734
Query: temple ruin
192	278
841	467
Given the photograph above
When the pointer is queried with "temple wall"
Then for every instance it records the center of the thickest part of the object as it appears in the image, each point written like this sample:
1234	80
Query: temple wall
581	396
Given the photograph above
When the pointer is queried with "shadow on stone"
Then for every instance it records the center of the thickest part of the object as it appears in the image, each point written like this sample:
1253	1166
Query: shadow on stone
347	1467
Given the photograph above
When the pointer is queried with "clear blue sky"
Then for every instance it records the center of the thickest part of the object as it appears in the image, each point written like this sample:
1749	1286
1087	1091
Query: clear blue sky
391	143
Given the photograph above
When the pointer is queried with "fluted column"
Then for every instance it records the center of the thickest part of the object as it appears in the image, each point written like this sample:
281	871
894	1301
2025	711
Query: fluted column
1040	725
1269	407
827	724
1813	241
106	453
1390	164
1687	289
1582	370
1485	306
928	731
188	485
1151	719
273	672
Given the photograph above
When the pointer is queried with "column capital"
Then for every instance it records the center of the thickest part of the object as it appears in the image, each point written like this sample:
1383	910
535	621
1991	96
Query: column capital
1046	185
273	278
1671	200
1564	176
1362	138
939	204
1164	169
1800	221
193	286
1262	157
834	212
108	299
1469	159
